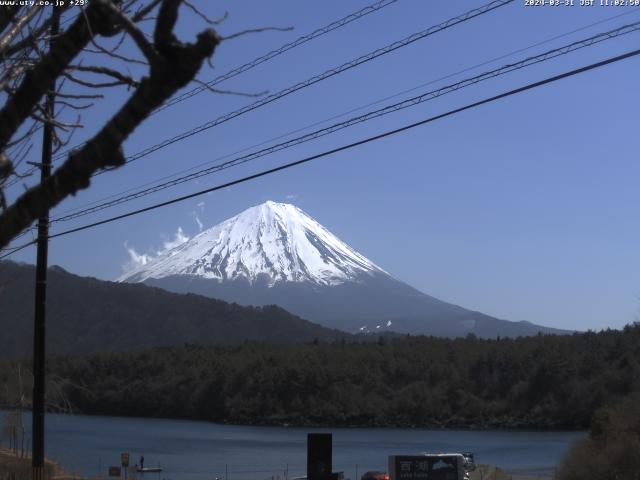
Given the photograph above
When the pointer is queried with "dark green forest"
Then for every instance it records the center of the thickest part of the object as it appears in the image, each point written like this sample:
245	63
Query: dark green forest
612	449
541	382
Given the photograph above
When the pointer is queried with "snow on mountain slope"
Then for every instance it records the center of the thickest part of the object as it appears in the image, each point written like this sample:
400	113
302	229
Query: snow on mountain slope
276	242
275	253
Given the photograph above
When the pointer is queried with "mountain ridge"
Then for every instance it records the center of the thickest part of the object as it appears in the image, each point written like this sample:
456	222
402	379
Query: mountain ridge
87	315
275	253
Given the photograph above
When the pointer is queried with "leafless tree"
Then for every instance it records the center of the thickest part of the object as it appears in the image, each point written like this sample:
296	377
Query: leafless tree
85	58
15	396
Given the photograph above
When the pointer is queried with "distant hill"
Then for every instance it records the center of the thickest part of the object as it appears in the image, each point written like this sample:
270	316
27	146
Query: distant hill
86	315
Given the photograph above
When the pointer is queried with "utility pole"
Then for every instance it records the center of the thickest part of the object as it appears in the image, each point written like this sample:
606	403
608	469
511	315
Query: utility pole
37	426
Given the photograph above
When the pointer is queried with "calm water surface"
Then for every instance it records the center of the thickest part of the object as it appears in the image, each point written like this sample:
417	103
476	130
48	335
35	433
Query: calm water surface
192	450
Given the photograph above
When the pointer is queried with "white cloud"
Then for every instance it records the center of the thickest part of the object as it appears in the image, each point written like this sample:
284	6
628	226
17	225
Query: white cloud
200	205
135	259
291	196
178	239
196	219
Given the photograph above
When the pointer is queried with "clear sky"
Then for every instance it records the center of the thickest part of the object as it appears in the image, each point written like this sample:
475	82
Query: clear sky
525	209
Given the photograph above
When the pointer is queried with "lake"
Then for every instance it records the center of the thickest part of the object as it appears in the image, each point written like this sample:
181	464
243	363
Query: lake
192	450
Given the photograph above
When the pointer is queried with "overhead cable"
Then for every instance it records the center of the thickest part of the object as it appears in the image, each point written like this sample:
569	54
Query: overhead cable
319	32
353	110
410	102
349	146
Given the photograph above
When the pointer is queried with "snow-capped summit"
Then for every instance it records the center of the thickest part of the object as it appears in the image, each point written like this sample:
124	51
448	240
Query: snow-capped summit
274	253
273	242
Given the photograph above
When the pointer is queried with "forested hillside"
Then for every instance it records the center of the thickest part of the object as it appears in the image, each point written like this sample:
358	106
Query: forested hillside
87	315
532	382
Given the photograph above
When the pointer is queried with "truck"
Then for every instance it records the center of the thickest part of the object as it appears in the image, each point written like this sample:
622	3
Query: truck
429	466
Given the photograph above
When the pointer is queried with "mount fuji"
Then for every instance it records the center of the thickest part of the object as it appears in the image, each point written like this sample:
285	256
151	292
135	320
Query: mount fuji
274	253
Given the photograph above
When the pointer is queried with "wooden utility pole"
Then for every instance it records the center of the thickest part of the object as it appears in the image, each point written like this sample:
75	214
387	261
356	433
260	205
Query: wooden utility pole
37	428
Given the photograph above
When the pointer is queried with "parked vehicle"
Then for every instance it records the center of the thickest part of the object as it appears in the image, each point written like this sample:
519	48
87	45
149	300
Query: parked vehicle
469	461
375	475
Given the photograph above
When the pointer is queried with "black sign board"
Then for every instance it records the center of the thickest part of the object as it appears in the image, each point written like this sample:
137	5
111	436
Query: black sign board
114	471
319	456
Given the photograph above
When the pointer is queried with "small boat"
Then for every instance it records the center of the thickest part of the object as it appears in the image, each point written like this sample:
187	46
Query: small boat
149	469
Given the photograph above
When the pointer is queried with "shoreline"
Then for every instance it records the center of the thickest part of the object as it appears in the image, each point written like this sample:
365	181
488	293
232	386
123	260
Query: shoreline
475	427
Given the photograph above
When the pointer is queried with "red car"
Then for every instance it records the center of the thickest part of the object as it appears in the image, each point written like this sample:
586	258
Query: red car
373	475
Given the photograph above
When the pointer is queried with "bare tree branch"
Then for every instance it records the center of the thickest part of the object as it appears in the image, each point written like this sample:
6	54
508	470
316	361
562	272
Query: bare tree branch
136	34
6	167
117	56
126	79
45	119
29	40
177	64
230	92
88	84
257	30
74	106
7	15
195	10
34	126
41	78
167	18
143	12
79	96
8	37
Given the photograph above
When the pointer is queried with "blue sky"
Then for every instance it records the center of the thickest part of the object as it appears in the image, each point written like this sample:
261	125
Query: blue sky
525	209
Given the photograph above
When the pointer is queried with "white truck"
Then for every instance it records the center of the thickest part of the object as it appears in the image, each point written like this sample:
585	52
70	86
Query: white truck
429	466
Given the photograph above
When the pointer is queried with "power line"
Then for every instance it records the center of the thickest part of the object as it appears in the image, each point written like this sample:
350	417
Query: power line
327	74
424	97
360	142
334	117
349	146
11	251
279	51
375	7
20	235
310	81
323	76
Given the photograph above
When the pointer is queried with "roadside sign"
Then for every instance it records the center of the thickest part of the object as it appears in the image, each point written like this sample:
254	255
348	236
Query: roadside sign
426	467
124	459
114	471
